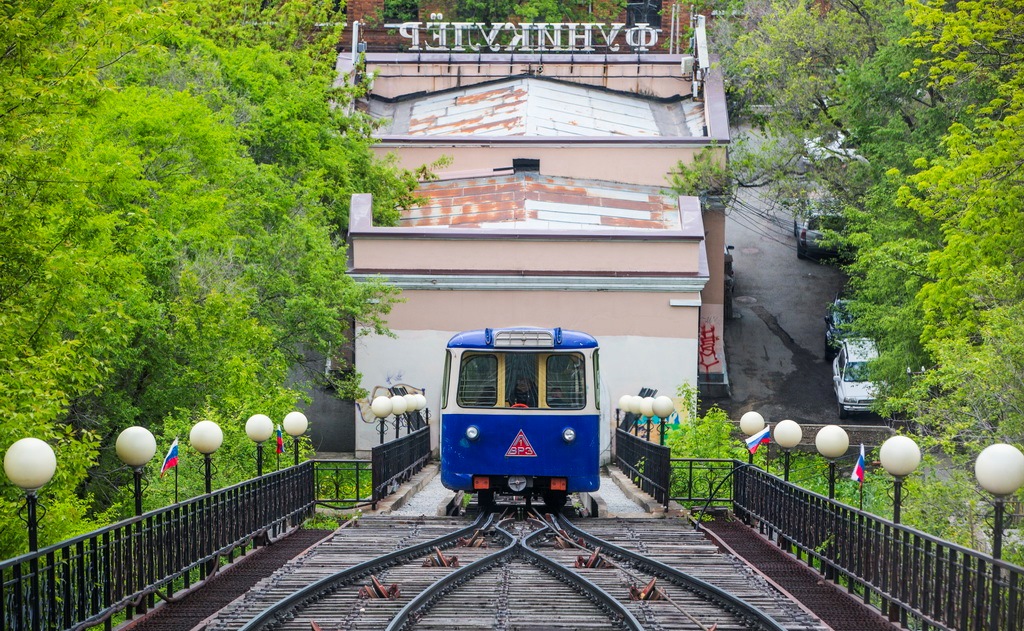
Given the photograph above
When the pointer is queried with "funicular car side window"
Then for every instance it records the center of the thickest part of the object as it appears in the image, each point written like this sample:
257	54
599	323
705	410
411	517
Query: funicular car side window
478	381
565	384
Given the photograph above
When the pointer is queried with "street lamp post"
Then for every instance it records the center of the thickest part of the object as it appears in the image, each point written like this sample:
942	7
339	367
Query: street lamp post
206	437
135	447
258	428
750	424
381	408
625	407
832	442
30	463
663	407
295	424
1000	471
636	406
647	410
788	435
399	406
900	456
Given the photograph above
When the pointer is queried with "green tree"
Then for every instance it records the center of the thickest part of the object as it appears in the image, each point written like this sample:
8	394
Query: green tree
175	182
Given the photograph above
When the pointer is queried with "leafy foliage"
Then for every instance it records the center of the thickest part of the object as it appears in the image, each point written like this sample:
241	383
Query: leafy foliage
910	114
175	182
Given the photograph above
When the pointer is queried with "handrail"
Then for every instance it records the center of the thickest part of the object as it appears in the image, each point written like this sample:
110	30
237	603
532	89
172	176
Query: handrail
85	580
915	577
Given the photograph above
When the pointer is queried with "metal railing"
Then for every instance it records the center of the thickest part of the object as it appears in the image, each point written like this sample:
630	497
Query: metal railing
917	579
343	484
646	464
396	461
920	581
701	482
85	581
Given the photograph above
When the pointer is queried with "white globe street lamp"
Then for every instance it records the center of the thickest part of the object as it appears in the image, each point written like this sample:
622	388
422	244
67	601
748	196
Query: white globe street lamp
1000	471
30	463
295	423
788	435
135	447
900	456
259	428
206	437
832	442
751	423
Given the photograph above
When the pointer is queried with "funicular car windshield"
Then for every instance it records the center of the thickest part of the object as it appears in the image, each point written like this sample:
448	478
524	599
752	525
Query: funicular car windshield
522	379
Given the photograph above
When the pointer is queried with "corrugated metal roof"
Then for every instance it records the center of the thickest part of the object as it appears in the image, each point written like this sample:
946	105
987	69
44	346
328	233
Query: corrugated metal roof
530	200
530	106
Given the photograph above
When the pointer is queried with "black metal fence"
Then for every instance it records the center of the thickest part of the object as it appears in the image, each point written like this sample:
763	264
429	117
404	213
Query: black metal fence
917	580
343	484
646	464
701	482
396	461
85	581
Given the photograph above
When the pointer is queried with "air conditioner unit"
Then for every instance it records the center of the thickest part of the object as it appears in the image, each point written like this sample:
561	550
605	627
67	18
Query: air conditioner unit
686	65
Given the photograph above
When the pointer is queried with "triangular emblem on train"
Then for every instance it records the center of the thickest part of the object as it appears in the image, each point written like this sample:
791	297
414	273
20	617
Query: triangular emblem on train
520	447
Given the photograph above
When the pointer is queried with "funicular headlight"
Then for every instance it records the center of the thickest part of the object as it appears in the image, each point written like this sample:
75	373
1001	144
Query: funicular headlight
472	432
568	434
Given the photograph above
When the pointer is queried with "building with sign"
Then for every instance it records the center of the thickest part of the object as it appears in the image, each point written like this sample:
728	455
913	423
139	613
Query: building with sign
553	208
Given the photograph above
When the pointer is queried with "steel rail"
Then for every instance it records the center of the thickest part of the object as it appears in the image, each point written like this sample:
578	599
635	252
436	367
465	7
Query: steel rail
520	547
428	596
280	610
608	603
703	589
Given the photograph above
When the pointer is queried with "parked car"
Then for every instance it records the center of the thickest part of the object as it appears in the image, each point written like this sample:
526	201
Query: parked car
854	391
816	231
837	323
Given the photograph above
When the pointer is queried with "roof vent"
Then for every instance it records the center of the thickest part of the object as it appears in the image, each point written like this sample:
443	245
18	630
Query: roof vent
525	165
523	338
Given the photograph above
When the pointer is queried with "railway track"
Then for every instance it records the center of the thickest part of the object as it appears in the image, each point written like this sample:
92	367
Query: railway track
519	573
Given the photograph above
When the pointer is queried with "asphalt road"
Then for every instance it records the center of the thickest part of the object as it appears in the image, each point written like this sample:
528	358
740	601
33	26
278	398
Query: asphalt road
775	341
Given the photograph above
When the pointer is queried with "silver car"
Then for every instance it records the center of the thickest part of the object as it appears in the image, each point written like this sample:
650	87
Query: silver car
854	391
816	233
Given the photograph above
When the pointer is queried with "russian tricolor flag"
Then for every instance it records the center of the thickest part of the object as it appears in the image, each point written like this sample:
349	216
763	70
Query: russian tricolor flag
280	441
756	440
171	459
858	469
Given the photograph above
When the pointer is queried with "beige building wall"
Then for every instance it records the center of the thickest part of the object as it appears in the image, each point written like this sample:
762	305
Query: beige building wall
638	291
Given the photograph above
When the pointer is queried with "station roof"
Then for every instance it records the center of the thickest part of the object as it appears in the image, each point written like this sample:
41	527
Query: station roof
537	106
534	201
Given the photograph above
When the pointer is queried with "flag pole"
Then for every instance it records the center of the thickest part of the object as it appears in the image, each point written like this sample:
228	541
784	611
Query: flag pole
175	485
